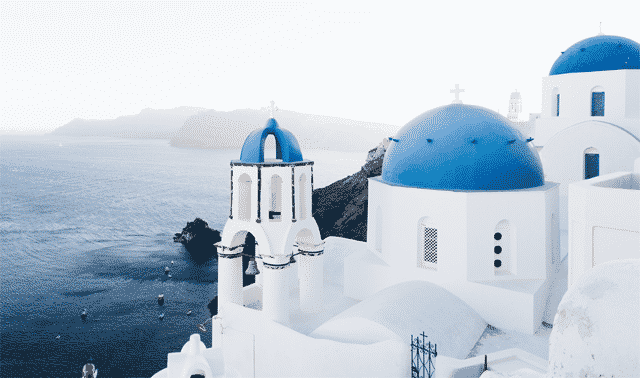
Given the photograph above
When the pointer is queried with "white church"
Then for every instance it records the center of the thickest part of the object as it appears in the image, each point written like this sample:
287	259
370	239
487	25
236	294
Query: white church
472	223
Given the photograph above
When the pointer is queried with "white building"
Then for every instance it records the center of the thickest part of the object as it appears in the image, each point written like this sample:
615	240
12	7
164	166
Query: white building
590	120
463	231
604	215
462	203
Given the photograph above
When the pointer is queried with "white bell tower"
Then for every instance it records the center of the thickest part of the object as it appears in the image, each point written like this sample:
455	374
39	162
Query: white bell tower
515	106
271	199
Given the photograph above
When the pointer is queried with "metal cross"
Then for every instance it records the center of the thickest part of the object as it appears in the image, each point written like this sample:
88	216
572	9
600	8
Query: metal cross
457	91
273	108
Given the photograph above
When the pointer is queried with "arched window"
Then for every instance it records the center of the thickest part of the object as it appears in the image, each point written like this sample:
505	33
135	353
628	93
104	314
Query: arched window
597	102
591	163
503	248
555	102
427	244
270	150
379	229
302	197
275	207
244	197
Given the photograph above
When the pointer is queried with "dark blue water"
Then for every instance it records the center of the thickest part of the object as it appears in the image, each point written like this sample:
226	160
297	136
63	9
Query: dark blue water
88	223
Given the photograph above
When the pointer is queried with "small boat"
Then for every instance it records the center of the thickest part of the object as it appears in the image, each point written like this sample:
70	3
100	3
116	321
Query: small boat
89	371
161	299
169	276
167	270
171	262
84	314
189	313
161	316
58	337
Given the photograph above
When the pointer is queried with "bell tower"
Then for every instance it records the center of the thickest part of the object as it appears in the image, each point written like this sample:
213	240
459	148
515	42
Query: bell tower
271	199
515	106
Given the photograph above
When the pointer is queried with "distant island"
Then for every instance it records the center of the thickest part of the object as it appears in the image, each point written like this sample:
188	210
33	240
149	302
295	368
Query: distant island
193	127
148	124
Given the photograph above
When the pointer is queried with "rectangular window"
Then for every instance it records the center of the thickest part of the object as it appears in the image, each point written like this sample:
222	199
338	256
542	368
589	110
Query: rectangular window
591	165
430	248
558	105
597	104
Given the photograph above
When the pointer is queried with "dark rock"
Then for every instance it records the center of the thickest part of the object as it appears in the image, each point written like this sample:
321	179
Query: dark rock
199	239
341	209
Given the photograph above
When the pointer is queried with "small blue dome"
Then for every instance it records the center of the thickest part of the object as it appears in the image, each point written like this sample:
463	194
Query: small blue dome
462	147
287	147
600	53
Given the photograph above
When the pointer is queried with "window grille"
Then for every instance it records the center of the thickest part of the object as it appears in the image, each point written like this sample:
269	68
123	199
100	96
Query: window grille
558	105
430	251
597	104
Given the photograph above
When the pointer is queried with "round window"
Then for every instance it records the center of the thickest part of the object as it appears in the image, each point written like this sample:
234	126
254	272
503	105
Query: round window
497	249
497	263
497	236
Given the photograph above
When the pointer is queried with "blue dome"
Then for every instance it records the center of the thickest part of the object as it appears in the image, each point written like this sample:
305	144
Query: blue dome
601	53
462	147
287	147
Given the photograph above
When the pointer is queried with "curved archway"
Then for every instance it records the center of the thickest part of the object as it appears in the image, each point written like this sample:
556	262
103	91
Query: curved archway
275	202
302	197
244	197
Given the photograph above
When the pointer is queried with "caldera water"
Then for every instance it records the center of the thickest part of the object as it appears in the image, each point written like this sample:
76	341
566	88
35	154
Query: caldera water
88	223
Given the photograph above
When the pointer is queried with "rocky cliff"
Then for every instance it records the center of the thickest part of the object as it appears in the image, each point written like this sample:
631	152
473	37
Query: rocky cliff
341	209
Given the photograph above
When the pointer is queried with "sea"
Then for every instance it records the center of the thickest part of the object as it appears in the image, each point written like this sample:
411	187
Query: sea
88	223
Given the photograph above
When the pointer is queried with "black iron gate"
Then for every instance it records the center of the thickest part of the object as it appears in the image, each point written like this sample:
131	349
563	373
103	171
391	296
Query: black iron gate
422	357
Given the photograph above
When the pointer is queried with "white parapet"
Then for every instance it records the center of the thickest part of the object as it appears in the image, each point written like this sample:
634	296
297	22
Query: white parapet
275	293
229	280
311	282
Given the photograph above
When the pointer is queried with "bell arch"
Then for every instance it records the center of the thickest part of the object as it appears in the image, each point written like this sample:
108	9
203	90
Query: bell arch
302	197
275	199
244	197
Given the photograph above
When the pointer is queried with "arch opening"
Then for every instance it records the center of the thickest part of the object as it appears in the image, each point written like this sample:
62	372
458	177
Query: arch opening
302	197
275	203
271	149
244	197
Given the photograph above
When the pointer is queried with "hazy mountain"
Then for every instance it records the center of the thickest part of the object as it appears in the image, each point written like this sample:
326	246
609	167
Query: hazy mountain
149	123
214	129
207	128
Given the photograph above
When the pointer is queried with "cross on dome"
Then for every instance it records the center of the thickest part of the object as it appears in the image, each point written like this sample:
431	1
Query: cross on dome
273	108
600	29
457	91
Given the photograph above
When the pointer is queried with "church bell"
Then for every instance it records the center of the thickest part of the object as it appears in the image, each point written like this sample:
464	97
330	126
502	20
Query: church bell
252	269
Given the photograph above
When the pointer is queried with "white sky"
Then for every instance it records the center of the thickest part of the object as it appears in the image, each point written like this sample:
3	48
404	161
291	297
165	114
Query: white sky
382	62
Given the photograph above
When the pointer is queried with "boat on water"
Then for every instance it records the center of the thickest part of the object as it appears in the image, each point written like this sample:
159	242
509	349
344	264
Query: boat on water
89	371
